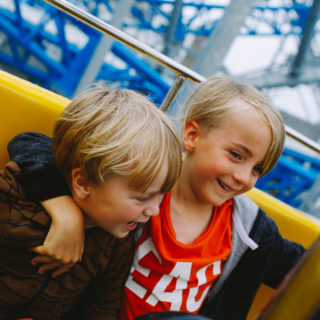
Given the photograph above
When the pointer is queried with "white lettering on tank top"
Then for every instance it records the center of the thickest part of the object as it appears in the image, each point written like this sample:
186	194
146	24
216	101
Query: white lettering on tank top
181	273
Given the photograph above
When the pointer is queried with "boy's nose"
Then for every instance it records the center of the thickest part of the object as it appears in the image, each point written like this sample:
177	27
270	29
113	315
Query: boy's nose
243	176
153	209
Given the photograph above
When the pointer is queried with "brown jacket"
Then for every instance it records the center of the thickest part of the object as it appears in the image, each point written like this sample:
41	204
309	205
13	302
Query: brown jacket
89	290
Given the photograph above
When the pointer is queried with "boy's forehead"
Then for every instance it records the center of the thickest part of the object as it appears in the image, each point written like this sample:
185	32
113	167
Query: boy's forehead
158	182
218	115
244	130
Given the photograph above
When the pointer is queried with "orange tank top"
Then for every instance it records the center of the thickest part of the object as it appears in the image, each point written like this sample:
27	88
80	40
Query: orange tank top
169	275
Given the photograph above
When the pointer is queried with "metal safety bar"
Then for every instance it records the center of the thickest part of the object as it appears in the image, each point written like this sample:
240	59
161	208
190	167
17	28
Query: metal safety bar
292	133
182	71
119	35
172	93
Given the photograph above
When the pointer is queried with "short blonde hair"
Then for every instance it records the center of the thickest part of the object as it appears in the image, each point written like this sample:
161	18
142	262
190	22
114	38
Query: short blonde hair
109	132
213	100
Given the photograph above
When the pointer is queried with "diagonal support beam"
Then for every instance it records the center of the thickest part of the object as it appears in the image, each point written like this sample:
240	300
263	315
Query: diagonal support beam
308	74
210	60
104	46
306	38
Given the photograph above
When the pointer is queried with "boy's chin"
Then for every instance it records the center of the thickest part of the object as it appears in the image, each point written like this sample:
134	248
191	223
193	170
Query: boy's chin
119	233
220	202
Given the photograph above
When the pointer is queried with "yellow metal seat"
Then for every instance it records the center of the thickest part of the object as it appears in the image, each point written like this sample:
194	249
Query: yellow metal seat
27	107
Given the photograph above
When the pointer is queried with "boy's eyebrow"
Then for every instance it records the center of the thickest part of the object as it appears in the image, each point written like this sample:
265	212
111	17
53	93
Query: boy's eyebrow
244	148
152	192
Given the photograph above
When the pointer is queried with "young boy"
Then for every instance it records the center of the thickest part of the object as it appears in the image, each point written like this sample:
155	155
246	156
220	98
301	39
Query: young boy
117	153
210	247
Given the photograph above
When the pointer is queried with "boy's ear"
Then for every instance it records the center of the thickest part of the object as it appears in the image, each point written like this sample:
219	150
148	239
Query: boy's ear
190	135
81	187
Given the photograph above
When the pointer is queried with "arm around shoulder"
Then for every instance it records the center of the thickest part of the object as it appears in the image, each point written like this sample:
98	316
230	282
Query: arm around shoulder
39	178
42	182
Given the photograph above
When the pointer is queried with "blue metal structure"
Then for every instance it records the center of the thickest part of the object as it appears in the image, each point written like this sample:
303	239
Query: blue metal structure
294	175
29	41
49	58
54	51
281	20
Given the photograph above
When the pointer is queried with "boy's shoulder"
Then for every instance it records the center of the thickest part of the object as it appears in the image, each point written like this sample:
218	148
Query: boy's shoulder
8	180
20	219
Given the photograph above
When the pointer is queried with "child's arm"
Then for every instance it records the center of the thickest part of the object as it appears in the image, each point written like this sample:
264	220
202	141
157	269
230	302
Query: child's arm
64	244
282	254
42	182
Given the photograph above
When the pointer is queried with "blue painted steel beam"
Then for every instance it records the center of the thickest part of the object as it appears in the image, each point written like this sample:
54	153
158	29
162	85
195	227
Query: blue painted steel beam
294	174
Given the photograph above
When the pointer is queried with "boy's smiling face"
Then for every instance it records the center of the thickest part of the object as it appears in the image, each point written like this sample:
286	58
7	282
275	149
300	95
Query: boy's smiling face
114	206
225	161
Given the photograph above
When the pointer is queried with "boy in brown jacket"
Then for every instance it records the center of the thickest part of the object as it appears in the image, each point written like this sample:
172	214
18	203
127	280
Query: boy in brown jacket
118	154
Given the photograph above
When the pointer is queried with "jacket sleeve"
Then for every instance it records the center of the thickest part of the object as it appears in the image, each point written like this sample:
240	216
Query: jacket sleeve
39	179
103	298
281	254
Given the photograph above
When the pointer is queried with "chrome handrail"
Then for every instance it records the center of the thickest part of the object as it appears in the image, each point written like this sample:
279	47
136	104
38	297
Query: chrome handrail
307	142
181	70
119	35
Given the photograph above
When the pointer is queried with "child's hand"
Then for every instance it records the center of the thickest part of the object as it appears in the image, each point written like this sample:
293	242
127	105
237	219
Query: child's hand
64	243
49	263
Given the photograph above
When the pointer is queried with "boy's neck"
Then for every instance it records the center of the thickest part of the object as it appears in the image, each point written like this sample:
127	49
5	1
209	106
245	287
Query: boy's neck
190	217
183	194
88	223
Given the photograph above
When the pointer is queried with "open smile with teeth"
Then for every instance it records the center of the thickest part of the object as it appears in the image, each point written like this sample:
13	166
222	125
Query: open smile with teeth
224	186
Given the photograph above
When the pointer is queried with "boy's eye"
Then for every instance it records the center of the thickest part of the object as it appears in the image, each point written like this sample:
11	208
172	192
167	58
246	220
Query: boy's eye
235	155
144	199
258	170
